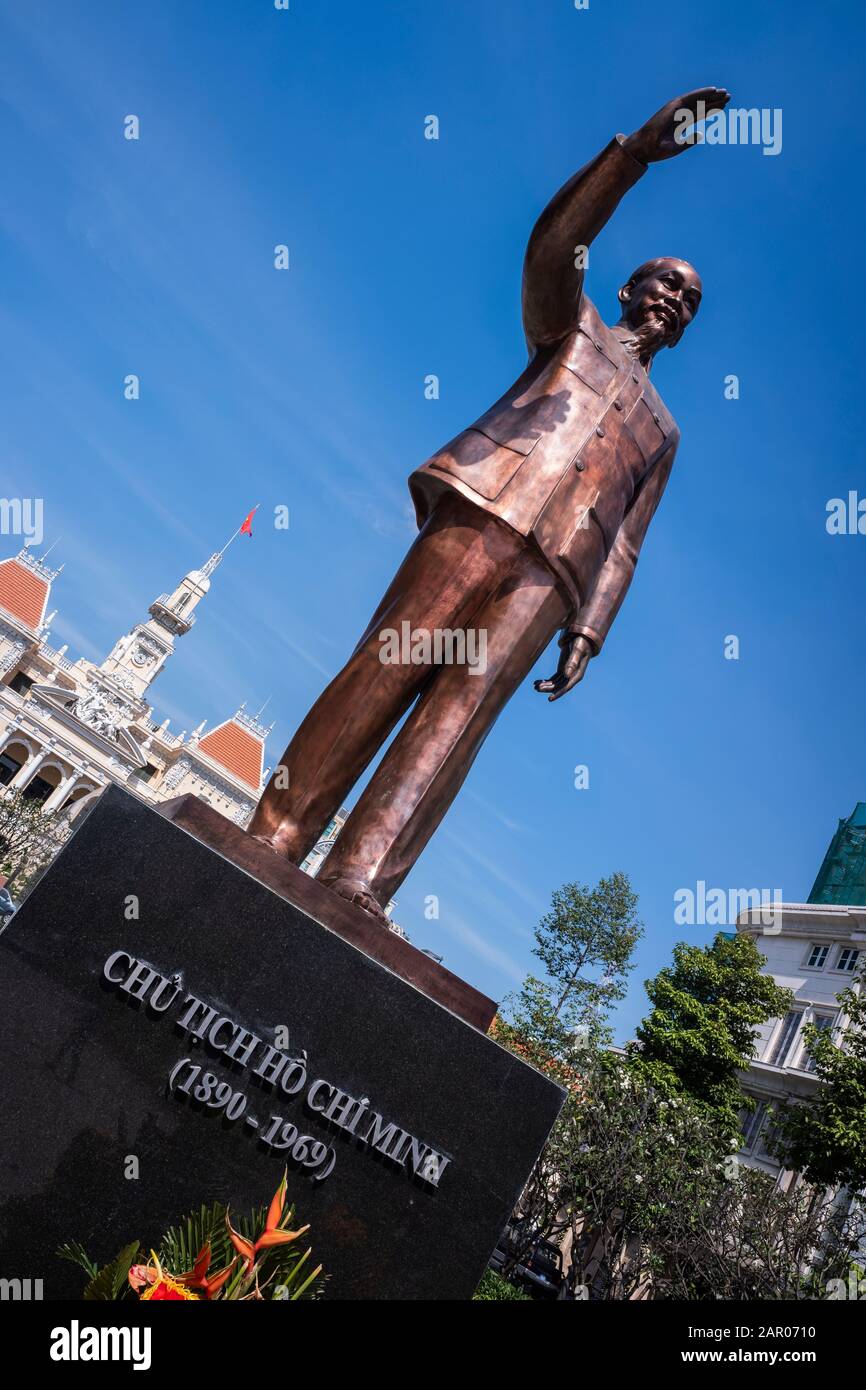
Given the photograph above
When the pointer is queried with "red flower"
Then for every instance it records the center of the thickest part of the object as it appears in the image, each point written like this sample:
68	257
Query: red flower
161	1287
273	1234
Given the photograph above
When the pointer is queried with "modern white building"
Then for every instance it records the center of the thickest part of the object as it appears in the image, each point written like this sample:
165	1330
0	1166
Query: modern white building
815	950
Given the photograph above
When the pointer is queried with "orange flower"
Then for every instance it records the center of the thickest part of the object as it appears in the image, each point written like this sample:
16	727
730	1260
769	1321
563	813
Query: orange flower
213	1285
160	1285
273	1234
196	1278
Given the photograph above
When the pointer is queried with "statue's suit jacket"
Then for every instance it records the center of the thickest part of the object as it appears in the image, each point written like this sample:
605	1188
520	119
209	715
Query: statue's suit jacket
576	454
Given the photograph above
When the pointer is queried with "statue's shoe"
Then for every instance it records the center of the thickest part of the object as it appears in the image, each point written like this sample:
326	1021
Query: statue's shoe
280	842
356	891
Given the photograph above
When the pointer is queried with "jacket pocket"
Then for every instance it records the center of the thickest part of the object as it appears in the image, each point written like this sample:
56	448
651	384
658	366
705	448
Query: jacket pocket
478	461
590	362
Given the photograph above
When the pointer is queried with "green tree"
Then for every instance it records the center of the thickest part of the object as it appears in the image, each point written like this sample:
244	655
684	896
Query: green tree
824	1137
624	1176
700	1033
754	1241
649	1200
585	943
493	1288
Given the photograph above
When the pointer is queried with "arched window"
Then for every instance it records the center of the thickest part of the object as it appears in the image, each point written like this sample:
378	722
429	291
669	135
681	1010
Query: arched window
38	788
78	794
12	759
44	782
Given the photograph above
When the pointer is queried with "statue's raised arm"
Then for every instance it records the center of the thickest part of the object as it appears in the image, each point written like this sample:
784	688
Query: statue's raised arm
556	254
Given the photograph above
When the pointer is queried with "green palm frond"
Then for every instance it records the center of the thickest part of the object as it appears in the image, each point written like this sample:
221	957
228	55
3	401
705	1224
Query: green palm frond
77	1255
181	1243
251	1224
111	1282
312	1286
285	1271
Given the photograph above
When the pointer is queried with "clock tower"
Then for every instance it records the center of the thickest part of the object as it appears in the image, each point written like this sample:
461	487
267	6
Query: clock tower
136	659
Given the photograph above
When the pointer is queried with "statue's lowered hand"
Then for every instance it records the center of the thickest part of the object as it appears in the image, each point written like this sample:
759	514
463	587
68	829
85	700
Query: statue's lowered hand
671	129
574	657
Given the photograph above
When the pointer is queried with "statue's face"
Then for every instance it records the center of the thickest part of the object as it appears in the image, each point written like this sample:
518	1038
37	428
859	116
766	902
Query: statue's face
660	301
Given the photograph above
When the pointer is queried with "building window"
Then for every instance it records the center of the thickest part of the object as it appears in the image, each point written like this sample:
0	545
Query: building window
20	683
817	957
146	773
767	1134
785	1038
848	958
824	1023
9	766
753	1123
38	789
78	794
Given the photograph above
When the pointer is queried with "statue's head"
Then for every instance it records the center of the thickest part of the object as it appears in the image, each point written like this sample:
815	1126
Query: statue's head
659	301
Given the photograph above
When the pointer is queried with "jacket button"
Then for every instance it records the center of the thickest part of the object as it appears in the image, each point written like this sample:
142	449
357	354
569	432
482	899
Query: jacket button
579	466
598	347
656	418
617	405
634	376
600	432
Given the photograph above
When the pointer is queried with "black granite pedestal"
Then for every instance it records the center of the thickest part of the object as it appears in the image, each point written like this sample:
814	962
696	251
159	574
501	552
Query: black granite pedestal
145	953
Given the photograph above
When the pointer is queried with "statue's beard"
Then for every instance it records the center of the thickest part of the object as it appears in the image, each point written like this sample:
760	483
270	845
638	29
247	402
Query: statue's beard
647	338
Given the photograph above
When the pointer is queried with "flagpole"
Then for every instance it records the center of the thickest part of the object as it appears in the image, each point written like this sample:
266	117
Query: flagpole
238	531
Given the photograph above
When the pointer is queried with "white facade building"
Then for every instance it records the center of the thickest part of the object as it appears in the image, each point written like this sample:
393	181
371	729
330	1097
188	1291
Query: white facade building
815	950
68	728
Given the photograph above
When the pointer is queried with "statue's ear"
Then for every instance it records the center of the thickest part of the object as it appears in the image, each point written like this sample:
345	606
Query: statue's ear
624	294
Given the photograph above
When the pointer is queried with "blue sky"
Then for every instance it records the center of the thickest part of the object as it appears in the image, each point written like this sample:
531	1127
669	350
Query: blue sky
306	388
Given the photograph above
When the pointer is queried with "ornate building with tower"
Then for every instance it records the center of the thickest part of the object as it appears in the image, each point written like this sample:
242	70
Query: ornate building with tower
69	727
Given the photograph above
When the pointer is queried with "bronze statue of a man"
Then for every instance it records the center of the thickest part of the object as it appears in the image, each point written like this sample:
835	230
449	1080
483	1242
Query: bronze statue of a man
531	522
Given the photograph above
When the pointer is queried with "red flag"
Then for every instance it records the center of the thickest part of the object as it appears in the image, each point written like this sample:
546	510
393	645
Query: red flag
247	527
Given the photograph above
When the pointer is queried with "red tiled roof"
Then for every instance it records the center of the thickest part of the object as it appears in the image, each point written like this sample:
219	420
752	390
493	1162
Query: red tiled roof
237	750
23	593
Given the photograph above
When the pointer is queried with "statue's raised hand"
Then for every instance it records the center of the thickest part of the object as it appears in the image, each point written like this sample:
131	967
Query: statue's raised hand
671	130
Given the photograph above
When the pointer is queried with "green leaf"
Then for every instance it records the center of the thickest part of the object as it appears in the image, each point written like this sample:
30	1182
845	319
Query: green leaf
111	1282
181	1243
77	1255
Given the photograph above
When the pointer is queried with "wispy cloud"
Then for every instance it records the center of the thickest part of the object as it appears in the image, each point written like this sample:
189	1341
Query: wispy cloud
490	867
494	811
481	947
